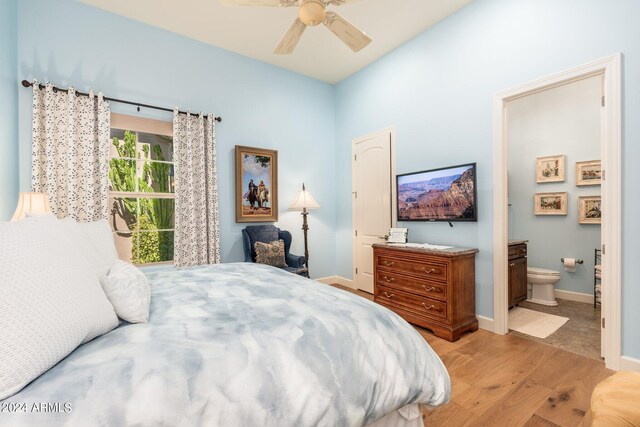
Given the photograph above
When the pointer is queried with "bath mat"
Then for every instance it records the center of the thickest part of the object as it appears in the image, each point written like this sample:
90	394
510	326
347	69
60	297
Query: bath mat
534	323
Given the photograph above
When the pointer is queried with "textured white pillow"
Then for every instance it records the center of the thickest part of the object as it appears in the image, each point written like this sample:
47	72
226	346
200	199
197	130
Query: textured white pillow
101	236
81	240
128	290
50	301
94	239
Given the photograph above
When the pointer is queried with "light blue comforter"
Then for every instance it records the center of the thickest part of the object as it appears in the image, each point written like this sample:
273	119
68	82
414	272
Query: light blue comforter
240	345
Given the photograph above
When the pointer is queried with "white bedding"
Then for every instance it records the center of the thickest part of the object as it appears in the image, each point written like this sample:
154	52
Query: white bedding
241	345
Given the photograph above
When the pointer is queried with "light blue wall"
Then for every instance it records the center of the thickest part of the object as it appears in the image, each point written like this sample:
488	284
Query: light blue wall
437	90
69	43
564	120
8	108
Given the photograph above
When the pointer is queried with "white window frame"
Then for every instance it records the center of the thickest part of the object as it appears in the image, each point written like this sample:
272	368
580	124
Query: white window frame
142	125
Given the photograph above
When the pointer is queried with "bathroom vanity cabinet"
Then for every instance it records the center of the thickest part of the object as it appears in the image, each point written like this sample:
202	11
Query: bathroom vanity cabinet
517	272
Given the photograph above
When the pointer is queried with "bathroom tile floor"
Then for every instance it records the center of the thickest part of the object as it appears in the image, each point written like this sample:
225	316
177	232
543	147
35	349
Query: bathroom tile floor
580	335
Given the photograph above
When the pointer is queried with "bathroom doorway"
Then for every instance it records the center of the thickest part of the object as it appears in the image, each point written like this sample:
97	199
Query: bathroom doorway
554	139
553	167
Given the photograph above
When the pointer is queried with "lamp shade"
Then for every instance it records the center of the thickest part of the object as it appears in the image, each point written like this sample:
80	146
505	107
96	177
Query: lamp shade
31	204
304	200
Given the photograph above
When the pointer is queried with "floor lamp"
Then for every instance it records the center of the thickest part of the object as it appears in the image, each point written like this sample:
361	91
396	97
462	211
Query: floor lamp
304	201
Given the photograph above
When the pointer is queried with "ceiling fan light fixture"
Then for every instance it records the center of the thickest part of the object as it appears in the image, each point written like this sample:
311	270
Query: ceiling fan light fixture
312	12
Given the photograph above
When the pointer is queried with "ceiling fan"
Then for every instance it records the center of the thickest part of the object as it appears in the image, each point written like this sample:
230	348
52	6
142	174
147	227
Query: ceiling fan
310	14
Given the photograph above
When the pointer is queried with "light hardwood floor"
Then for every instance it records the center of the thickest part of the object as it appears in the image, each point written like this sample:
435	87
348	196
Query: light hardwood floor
505	380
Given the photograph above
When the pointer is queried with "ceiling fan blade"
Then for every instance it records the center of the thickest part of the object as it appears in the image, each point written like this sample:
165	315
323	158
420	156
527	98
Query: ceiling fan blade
291	38
351	35
264	3
339	2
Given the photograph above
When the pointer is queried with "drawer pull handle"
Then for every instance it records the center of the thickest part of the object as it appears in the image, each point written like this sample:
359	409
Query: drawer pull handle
388	264
386	279
511	265
431	289
386	294
433	270
429	307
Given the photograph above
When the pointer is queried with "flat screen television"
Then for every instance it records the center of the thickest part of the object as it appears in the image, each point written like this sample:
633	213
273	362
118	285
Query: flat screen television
446	194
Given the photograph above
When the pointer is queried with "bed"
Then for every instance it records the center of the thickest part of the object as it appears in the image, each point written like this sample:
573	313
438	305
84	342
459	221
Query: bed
241	344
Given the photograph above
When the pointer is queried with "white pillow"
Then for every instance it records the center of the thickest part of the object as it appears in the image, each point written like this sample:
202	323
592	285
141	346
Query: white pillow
101	237
128	290
50	301
82	241
94	239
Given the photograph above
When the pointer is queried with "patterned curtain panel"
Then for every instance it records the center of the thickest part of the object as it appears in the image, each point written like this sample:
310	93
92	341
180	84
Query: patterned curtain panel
197	229
70	152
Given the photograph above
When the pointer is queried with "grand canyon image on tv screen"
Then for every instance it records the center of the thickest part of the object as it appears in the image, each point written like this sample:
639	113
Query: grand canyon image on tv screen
446	194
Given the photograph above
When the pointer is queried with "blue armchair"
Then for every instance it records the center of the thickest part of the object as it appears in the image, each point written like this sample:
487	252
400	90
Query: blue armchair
267	234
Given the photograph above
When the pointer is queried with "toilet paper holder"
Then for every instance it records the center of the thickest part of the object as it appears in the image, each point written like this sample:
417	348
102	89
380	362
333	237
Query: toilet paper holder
578	261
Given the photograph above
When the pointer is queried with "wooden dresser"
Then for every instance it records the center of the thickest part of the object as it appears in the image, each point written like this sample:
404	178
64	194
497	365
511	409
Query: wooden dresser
434	289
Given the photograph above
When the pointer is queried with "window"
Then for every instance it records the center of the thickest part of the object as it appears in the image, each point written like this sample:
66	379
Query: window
141	189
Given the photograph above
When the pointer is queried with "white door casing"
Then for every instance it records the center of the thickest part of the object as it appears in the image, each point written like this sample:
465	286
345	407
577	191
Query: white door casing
373	195
611	190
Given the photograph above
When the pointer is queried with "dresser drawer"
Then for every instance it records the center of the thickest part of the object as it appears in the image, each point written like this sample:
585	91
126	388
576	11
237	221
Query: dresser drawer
423	287
431	270
517	251
395	298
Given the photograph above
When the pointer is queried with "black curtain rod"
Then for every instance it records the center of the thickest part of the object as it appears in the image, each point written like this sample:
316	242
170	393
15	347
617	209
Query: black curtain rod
27	83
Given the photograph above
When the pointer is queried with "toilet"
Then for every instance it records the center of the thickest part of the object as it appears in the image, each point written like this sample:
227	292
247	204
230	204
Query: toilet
541	286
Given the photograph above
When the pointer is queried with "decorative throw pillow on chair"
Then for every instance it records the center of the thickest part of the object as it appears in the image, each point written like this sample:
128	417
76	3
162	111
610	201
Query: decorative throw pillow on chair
271	253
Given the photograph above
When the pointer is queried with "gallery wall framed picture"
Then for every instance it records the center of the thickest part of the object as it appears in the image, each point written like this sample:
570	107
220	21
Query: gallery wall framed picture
550	169
589	210
589	173
550	204
256	184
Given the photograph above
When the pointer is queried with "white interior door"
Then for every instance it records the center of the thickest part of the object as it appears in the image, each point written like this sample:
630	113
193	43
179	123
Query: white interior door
605	215
372	201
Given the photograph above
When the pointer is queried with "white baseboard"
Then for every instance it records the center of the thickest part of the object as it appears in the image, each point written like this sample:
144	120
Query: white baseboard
573	296
485	323
629	364
339	280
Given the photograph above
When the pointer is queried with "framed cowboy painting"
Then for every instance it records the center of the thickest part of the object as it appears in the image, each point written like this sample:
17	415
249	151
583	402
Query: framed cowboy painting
256	184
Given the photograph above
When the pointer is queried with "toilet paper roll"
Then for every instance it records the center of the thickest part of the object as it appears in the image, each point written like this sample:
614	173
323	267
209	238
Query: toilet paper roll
570	265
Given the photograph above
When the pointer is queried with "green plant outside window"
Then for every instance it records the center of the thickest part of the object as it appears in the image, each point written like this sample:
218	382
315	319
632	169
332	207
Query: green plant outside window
142	203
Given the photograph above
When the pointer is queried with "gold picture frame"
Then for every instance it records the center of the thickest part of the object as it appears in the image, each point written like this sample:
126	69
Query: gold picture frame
589	173
550	203
589	210
551	169
256	184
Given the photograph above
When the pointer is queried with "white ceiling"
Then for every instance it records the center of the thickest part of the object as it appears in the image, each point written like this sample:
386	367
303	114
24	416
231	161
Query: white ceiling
255	31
